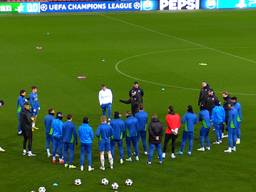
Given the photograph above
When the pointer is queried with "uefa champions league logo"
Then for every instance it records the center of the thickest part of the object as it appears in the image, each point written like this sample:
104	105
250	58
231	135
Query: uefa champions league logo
136	5
43	7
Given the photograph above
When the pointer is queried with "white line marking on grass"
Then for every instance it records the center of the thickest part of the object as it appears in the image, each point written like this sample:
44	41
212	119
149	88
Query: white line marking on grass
163	84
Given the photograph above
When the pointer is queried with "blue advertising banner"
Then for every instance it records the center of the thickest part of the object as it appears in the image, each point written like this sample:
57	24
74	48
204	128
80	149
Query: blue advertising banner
149	5
227	4
58	7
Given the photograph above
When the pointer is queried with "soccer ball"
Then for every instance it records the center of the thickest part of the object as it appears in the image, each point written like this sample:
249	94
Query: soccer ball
77	182
128	182
41	189
104	181
115	186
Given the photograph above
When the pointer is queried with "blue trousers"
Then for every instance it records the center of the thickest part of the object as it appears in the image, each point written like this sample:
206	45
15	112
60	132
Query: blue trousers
204	137
238	130
19	126
133	141
69	149
48	139
187	135
218	131
152	149
231	137
120	148
86	149
57	145
142	135
106	107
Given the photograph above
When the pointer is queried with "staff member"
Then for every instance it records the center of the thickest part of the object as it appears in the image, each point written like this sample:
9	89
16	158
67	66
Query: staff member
26	120
205	87
105	100
155	138
173	124
136	97
1	105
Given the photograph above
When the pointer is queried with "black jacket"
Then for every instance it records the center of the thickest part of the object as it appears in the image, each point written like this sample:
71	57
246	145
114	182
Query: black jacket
136	95
25	120
155	131
203	95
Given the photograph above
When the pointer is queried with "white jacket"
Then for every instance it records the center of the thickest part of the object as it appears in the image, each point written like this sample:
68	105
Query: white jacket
105	97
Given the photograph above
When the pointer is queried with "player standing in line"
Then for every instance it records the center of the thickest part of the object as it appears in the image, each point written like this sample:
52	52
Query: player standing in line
20	107
104	133
26	120
131	124
86	136
69	141
105	100
189	120
155	138
142	118
204	117
237	106
136	97
35	106
1	105
173	124
232	126
218	119
118	128
48	119
57	144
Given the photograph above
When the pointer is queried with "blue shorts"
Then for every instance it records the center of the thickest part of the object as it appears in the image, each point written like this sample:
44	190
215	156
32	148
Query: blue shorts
34	112
104	146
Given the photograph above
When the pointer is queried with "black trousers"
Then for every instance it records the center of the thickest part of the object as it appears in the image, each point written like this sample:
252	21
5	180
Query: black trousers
27	139
134	105
167	139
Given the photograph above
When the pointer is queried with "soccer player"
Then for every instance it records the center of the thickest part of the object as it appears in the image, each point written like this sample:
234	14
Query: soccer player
205	87
35	106
218	119
155	138
48	119
204	117
1	105
189	120
232	126
131	124
227	101
57	144
136	97
237	106
26	120
104	133
86	136
142	117
20	107
118	128
69	141
105	100
173	125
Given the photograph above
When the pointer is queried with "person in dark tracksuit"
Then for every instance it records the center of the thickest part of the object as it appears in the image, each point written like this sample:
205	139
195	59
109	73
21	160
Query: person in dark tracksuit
155	131
26	120
210	101
20	107
136	97
205	87
118	129
69	140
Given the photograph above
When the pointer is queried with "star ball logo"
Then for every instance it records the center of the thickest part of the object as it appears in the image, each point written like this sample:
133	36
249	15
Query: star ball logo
43	7
137	5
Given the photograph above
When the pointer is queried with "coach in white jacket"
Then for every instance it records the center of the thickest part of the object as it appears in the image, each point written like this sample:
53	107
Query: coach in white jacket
105	99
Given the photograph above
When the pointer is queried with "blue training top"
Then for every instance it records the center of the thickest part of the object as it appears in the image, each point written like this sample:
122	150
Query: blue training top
189	119
132	126
85	133
142	117
48	119
104	132
69	132
118	128
204	117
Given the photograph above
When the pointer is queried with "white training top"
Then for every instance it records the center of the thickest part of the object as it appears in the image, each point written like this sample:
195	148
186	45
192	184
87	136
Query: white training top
105	97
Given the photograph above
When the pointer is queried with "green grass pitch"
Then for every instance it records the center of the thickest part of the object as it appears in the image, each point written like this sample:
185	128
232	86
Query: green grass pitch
161	50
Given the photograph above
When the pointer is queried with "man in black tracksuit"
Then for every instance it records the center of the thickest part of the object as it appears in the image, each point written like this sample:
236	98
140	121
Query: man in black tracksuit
210	101
26	120
136	97
203	93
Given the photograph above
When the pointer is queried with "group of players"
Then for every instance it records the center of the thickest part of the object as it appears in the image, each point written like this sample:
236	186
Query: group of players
63	136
